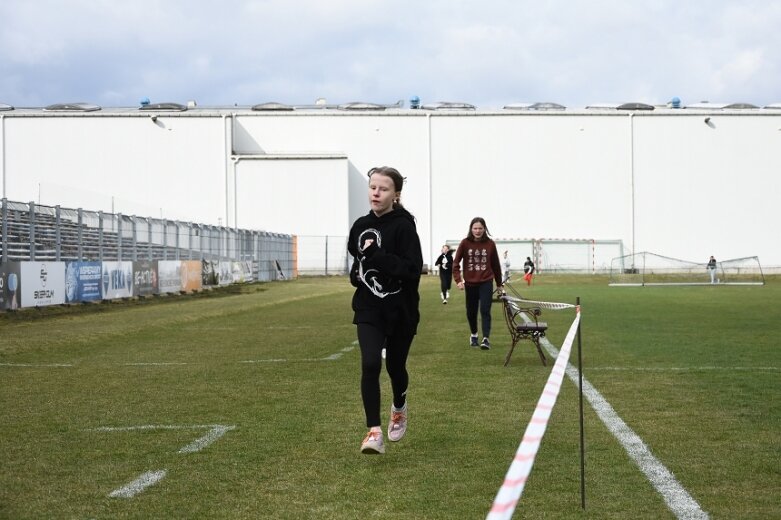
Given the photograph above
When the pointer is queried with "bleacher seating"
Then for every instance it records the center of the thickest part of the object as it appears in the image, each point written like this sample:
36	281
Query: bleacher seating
41	238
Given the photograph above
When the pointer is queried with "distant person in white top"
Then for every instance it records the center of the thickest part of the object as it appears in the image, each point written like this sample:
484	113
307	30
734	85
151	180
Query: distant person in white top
712	269
506	275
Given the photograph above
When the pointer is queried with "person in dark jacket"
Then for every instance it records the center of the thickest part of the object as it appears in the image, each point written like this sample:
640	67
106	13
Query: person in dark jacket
445	263
481	268
386	274
528	270
712	269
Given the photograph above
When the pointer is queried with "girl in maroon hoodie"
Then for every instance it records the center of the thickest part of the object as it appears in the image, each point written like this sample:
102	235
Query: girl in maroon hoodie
481	268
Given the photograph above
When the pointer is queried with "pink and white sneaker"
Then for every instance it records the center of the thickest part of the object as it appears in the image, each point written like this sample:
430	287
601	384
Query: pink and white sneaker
373	444
398	423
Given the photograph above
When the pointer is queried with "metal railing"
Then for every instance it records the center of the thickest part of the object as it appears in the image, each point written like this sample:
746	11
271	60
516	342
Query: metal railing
35	232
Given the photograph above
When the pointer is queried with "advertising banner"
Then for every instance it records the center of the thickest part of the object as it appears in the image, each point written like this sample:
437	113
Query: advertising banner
224	272
117	280
10	274
42	283
169	277
209	273
82	281
242	272
144	278
191	275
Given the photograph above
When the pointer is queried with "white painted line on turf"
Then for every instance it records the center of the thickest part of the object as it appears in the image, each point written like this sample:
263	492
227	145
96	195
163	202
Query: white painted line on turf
215	433
135	487
34	365
678	500
681	369
332	357
152	477
151	364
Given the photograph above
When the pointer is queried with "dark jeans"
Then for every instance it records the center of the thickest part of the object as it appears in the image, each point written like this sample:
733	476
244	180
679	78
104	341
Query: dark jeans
479	296
372	340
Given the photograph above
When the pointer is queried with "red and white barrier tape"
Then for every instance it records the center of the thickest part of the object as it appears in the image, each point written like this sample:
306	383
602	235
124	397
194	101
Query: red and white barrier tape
520	468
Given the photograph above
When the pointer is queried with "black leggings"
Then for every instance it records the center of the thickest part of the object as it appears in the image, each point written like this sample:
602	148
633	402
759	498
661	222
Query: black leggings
445	279
372	340
479	296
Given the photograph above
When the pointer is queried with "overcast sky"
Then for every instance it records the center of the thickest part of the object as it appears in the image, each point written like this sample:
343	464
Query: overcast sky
488	52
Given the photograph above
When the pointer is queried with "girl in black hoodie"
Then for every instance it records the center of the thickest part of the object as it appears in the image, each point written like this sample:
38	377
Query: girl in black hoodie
386	275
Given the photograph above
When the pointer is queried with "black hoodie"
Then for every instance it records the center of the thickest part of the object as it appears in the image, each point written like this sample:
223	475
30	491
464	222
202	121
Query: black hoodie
387	273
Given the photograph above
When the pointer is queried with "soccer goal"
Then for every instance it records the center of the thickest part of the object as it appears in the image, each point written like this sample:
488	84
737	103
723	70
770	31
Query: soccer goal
651	269
560	255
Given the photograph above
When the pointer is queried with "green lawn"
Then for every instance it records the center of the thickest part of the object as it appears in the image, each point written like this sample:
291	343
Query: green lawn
693	371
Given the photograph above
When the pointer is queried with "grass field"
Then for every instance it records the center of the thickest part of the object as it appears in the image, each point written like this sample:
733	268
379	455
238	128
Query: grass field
694	371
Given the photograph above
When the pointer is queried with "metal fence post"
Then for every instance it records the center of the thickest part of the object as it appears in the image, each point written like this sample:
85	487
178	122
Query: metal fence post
118	216
80	235
100	236
31	233
57	233
5	229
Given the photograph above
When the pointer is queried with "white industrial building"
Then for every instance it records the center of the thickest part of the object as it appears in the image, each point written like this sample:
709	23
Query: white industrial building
683	182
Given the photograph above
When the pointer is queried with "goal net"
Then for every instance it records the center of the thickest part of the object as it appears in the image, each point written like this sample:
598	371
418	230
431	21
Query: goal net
557	255
651	269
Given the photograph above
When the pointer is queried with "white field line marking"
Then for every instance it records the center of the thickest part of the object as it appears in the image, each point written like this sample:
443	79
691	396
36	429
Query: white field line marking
151	364
215	433
678	500
152	477
135	487
682	369
35	365
332	357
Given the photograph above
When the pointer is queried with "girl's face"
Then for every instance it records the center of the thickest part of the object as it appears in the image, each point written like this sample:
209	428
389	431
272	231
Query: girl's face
478	230
381	194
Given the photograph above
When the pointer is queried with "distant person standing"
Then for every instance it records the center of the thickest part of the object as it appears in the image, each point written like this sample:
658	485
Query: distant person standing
481	267
445	263
528	270
386	276
506	273
712	269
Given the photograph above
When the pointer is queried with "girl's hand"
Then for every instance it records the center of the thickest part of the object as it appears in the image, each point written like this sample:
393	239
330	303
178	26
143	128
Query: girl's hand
460	285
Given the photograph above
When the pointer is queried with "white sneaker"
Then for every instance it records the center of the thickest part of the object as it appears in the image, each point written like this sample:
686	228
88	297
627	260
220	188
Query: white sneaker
373	443
398	423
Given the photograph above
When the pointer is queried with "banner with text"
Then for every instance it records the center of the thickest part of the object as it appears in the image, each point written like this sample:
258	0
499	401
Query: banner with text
82	281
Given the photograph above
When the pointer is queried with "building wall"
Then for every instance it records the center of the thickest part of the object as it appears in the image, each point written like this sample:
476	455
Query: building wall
665	181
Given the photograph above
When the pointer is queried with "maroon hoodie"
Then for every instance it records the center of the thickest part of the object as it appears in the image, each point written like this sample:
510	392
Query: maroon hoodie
481	262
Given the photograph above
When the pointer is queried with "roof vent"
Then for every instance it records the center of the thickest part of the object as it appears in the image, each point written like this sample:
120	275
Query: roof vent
168	107
740	106
272	106
72	107
634	106
449	105
547	106
6	108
